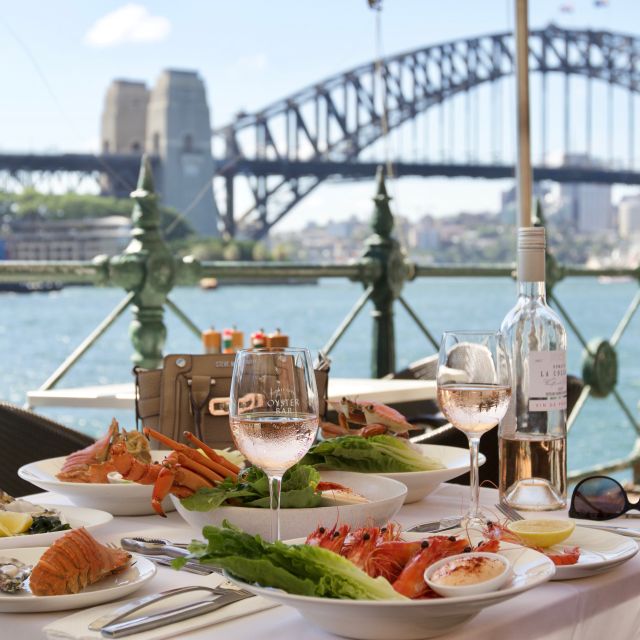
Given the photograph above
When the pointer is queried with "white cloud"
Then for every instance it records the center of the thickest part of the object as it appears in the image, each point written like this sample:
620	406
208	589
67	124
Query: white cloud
254	62
130	23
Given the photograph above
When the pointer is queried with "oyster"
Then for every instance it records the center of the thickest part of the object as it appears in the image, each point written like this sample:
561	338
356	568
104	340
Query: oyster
13	574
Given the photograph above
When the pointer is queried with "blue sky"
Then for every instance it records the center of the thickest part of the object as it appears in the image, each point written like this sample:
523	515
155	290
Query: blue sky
59	57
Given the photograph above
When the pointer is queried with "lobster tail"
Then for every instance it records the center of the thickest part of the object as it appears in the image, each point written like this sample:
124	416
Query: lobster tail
73	562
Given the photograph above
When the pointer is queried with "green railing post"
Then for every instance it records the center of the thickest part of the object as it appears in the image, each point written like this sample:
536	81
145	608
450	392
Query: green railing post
148	269
387	285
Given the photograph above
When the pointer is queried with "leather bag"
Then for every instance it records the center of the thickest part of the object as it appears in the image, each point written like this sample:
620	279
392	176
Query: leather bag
191	393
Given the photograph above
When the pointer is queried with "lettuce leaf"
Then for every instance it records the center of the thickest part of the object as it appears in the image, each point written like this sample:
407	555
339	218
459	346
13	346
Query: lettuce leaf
252	490
379	454
297	569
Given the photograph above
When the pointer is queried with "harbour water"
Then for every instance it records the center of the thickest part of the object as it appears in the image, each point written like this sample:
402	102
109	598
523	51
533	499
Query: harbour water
38	331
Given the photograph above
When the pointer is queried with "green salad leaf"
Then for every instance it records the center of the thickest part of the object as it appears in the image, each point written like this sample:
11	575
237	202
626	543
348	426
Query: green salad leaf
379	454
298	569
252	490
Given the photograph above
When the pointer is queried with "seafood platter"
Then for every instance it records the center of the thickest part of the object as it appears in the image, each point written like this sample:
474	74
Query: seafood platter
347	567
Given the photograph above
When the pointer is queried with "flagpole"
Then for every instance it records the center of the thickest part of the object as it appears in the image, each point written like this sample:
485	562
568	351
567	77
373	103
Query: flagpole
523	140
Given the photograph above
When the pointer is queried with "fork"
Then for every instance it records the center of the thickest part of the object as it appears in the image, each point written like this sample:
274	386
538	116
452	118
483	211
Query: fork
514	516
509	511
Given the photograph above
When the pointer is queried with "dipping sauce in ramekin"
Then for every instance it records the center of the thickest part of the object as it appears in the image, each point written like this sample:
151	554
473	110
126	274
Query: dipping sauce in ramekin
468	574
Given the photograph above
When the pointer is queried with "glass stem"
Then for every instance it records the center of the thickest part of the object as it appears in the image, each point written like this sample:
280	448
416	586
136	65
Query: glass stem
474	506
275	484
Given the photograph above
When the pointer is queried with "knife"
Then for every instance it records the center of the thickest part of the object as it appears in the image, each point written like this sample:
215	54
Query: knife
623	531
111	625
444	524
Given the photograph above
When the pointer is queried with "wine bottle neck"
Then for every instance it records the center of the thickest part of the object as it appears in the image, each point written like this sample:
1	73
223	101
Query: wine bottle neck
532	289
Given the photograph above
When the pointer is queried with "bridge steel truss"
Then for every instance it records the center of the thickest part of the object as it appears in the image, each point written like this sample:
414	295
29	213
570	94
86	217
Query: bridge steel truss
288	148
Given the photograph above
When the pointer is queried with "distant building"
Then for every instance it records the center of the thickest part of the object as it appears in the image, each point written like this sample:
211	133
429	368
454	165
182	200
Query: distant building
124	118
172	122
585	207
509	202
629	216
424	234
37	239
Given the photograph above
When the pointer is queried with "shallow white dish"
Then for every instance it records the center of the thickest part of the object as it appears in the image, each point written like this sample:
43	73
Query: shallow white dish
386	496
111	588
600	551
413	619
76	517
120	499
486	586
422	483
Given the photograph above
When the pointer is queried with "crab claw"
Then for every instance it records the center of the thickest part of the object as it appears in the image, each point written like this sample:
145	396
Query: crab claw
376	413
161	488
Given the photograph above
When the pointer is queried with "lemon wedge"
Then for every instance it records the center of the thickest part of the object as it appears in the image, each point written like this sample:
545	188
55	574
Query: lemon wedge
12	523
542	533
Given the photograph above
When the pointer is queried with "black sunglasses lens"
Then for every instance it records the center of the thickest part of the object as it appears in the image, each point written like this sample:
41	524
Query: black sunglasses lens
598	499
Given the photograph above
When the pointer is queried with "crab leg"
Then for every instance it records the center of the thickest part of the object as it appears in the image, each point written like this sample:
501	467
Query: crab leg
212	453
189	452
198	468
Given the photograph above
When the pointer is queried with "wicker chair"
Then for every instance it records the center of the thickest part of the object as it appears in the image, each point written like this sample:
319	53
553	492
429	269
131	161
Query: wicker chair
26	437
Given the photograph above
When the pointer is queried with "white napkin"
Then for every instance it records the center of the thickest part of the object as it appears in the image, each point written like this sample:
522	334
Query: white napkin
76	626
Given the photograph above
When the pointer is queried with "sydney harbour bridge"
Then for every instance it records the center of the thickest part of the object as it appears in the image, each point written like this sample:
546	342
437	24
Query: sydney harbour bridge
441	110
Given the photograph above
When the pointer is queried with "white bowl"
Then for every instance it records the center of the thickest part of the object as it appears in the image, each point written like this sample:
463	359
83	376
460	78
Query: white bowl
411	619
385	495
119	499
487	586
422	483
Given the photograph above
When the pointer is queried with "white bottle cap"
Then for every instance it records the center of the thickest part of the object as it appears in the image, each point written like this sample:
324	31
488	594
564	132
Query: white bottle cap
531	238
531	253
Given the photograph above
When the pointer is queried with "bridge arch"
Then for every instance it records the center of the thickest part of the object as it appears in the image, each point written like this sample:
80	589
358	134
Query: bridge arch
334	120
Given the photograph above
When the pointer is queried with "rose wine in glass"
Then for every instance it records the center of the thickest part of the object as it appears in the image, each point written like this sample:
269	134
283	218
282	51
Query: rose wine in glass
273	413
474	388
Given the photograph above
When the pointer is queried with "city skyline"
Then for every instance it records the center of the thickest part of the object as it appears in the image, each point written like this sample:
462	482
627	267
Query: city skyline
51	110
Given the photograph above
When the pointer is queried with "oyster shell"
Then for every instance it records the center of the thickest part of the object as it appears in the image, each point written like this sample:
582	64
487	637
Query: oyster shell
13	574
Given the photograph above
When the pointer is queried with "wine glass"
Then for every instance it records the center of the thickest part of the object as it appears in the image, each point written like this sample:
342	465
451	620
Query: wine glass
273	413
474	389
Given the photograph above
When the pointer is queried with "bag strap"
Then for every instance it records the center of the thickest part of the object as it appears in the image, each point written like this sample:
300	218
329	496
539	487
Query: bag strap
199	395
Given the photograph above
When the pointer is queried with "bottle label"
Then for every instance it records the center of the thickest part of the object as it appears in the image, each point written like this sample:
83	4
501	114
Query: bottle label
547	380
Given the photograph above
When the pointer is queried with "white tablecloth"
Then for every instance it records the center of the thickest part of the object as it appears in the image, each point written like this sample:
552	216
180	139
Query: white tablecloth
601	607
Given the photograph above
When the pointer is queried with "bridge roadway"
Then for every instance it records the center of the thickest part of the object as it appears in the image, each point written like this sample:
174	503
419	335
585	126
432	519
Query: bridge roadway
127	166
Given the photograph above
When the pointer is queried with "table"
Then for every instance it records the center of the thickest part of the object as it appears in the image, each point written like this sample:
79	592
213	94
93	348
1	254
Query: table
122	396
604	606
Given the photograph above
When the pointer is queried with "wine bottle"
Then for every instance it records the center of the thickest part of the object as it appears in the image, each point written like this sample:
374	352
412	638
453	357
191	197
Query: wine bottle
532	435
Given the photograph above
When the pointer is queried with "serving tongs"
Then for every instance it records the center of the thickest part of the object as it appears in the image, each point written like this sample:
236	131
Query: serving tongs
160	551
154	547
113	625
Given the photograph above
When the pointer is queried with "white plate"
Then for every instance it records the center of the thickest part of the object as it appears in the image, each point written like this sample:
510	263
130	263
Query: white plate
75	516
600	551
414	619
120	499
422	483
110	588
385	495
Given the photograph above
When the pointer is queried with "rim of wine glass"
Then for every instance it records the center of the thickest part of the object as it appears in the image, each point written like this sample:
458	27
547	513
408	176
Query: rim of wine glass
275	350
473	332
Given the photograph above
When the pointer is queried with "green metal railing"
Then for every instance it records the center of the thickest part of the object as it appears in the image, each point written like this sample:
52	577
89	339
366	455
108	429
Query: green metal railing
148	271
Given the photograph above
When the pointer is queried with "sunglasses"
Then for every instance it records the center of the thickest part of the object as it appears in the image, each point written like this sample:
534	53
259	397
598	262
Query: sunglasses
600	498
